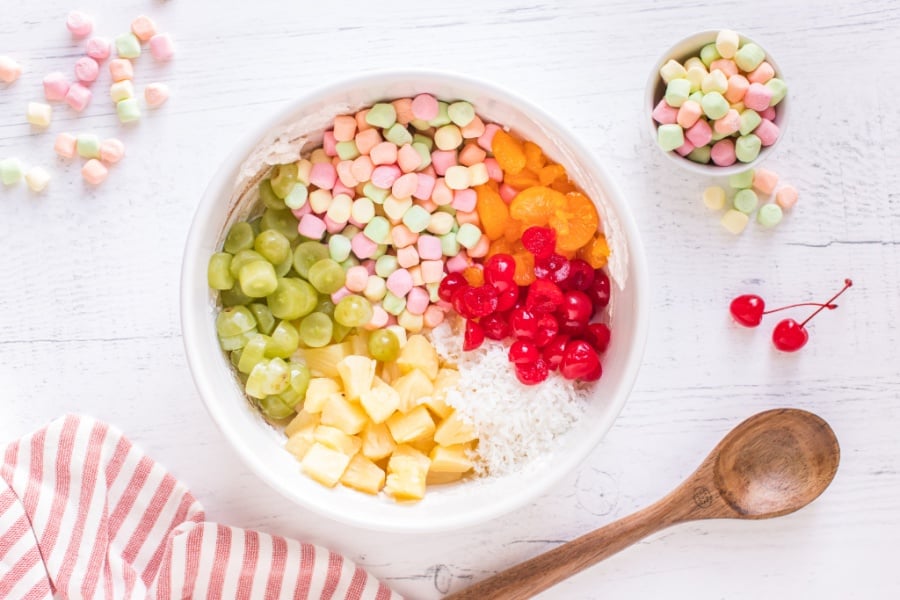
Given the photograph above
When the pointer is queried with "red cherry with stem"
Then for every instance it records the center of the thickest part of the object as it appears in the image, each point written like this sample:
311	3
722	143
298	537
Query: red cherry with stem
748	309
473	336
790	336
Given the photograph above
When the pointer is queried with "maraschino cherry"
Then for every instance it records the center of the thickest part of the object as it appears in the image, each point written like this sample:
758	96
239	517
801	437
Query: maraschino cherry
790	336
748	309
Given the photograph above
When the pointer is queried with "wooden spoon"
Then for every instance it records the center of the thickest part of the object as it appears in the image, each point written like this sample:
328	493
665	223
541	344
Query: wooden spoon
770	465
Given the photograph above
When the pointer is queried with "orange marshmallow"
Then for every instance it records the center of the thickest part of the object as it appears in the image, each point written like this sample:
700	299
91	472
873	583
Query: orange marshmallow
367	138
688	114
726	65
403	107
361	123
344	128
121	69
786	197
764	181
761	74
143	28
94	172
471	154
737	87
728	124
473	130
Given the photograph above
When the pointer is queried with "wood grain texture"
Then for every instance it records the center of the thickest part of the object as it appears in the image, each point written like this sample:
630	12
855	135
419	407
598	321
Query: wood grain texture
89	306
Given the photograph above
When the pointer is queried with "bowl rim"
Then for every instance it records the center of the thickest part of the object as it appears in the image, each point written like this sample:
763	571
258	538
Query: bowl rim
698	40
190	298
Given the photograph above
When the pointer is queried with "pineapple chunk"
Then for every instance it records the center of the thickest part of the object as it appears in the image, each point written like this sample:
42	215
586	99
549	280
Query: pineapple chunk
418	353
400	332
411	387
412	426
423	445
356	373
453	430
304	421
334	438
407	472
360	343
377	441
381	401
447	379
324	464
439	477
322	362
450	459
390	372
299	444
346	416
363	475
318	392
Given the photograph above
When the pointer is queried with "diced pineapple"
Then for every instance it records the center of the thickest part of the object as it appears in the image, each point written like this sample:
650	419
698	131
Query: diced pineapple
381	401
389	372
299	443
377	441
304	420
400	332
453	430
334	438
439	477
356	373
411	387
407	472
322	362
324	464
423	445
347	416
318	392
447	379
414	425
450	459
363	475
418	353
360	343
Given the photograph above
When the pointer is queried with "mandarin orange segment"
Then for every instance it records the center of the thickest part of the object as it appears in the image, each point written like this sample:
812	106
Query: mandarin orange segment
492	211
534	157
535	205
474	276
524	274
575	223
513	230
508	151
501	246
551	173
525	178
563	186
595	252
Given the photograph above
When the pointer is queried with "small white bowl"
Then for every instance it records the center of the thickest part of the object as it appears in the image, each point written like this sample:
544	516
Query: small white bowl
656	89
232	193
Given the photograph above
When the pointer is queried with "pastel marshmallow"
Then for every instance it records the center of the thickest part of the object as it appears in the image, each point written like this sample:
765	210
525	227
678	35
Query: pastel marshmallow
786	197
10	70
94	171
417	301
664	114
727	43
162	47
37	178
688	114
79	24
65	145
399	282
726	66
429	247
56	86
156	94
86	69
765	181
761	74
464	200
432	270
758	97
405	185
728	124
722	153
78	97
121	69
111	150
98	48
442	160
384	176
424	186
356	278
424	107
737	87
312	227
362	246
407	257
323	175
39	114
767	131
143	28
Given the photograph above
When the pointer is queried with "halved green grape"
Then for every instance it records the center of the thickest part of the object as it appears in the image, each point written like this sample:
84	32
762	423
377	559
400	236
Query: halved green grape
254	351
340	332
275	407
292	299
236	342
265	322
384	345
273	246
306	255
234	321
258	279
285	340
240	237
300	377
283	179
218	275
242	258
267	378
327	276
316	329
285	267
353	311
234	296
325	305
289	397
282	221
268	196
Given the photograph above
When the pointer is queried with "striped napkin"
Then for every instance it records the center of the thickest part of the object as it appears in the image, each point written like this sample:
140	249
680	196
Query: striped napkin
85	514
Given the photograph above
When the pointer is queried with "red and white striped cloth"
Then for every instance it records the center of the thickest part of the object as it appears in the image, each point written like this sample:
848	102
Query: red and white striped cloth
85	514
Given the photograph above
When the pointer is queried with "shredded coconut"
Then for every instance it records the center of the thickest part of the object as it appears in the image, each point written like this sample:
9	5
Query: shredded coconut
515	423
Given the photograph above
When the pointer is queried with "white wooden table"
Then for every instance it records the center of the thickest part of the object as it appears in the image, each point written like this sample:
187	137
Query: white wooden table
89	302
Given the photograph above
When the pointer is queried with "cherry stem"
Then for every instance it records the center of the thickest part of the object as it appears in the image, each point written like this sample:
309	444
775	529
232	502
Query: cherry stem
847	284
829	306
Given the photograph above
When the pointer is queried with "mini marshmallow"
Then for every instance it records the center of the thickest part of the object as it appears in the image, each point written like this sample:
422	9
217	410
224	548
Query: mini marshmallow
662	114
670	137
786	197
10	170
447	137
94	172
340	208
749	57
362	246
765	181
474	129
471	154
742	181
714	198
709	54
417	301
727	43
778	90
356	279
416	218
433	317
127	45
457	177
312	227
728	124
111	150
688	114
10	70
121	90
715	81
394	208
750	120
468	235
86	69
440	223
56	86
464	200
155	94
65	145
735	221
78	96
722	153
329	144
362	211
384	176
486	139
746	201
769	215
143	28
737	87
410	322
699	134
672	70
747	147
121	69
425	107
686	148
381	115
377	230
398	134
767	131
162	47
79	24
442	160
323	175
715	106
677	91
481	248
433	270
408	158
346	151
97	48
37	178
405	186
761	74
700	154
399	282
758	96
695	75
128	110
727	67
39	114
407	257
478	174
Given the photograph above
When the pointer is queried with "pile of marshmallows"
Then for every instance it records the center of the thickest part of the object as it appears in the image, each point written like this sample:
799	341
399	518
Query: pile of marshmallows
719	106
77	94
751	187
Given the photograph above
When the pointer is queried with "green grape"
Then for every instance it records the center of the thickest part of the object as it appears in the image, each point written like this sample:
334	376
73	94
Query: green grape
285	341
316	329
267	378
340	332
254	224
242	258
265	322
292	299
353	311
325	305
273	246
284	177
275	407
306	255
282	221
384	345
300	378
268	197
234	296
234	321
254	352
285	267
258	279
218	275
236	342
327	276
240	237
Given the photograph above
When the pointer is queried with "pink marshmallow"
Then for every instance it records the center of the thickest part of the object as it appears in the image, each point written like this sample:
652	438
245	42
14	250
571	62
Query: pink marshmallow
487	138
424	186
383	153
442	195
481	248
79	24
56	86
425	107
323	175
78	96
417	301
86	69
65	145
403	108
699	134
728	124
357	278
121	69
407	257
369	264
737	87
473	130
367	138
340	295
340	188
408	159
786	197
433	317
379	318
493	169
726	65
508	192
757	97
458	263
399	282
94	171
332	226
761	74
384	176
362	246
361	168
686	148
312	227
471	154
463	217
722	153
442	160
306	209
432	270
344	128
111	150
429	247
162	47
664	114
767	132
329	144
428	204
688	113
344	171
464	200
405	186
769	113
97	48
764	181
402	236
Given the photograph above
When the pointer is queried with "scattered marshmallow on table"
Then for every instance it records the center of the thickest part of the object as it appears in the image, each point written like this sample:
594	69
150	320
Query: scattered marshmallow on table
98	48
127	45
94	171
56	86
86	69
143	28
79	24
121	69
65	145
111	150
39	114
37	178
161	47
754	191
78	97
11	170
10	70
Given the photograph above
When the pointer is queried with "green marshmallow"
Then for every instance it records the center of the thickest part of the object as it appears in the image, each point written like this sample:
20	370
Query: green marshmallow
769	215
700	155
714	105
393	304
10	171
778	88
128	45
468	235
461	113
419	124
670	136
351	261
443	116
375	193
378	230
398	134
350	230
708	54
696	96
449	245
433	289
750	119
423	139
746	201
88	145
339	248
677	92
716	135
749	57
297	197
747	147
382	114
741	181
128	110
346	150
385	265
417	219
424	155
380	251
